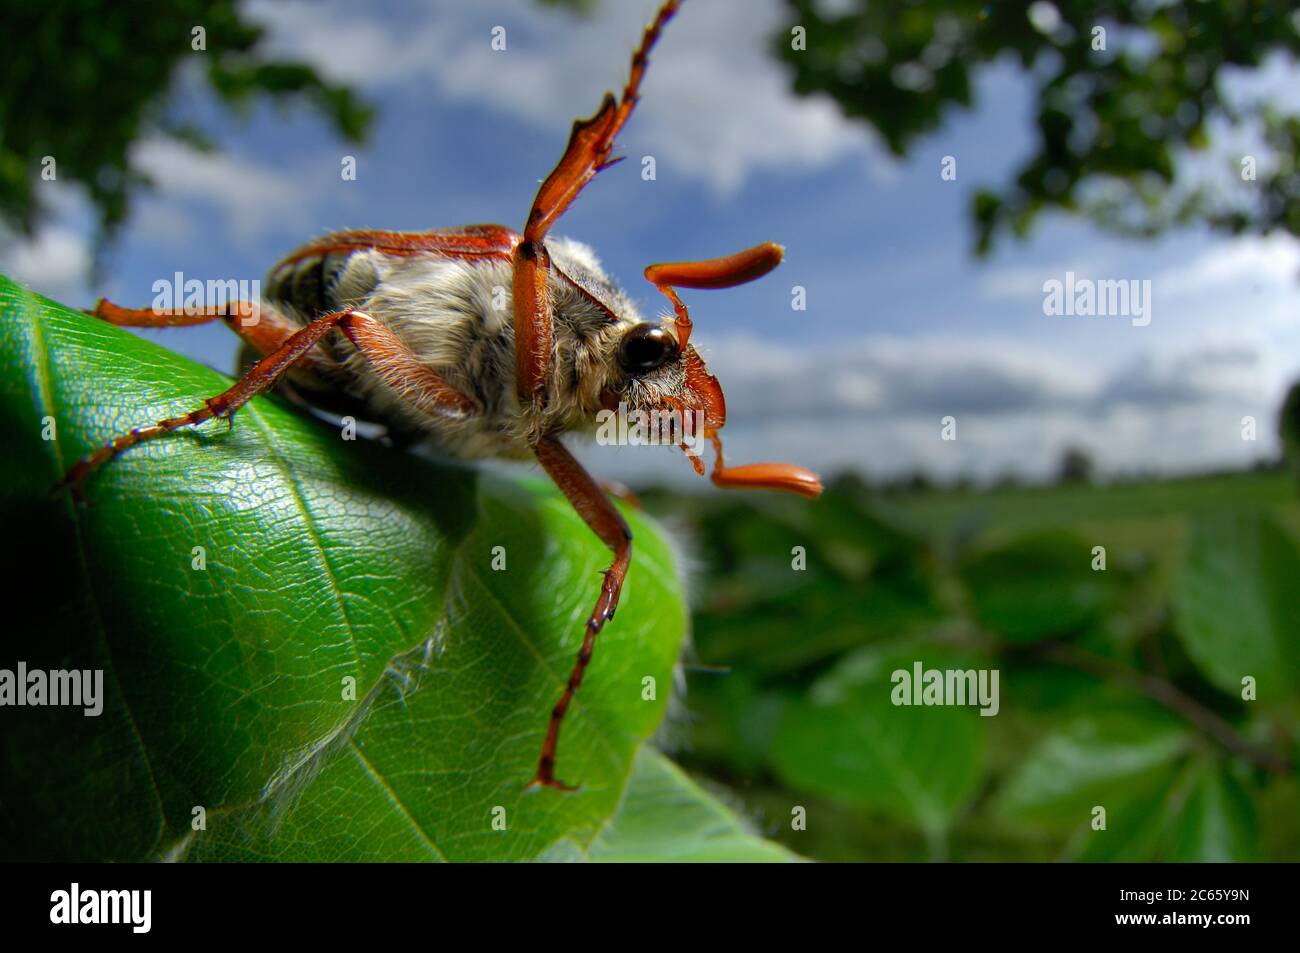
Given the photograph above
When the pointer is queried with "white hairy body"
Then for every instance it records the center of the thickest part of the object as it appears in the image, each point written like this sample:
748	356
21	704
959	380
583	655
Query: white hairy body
457	315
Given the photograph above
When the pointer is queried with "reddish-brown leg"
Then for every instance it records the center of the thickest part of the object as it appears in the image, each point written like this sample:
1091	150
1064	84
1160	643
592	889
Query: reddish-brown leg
385	352
470	242
260	325
532	304
607	523
590	145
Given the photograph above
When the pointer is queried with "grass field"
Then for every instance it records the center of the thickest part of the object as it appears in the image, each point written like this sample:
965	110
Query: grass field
1143	506
1148	516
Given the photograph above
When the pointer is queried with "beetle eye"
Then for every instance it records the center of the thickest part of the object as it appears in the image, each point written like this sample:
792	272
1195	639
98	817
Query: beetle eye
645	348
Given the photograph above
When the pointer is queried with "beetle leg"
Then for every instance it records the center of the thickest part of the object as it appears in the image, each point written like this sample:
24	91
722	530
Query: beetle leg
397	365
606	522
260	325
250	314
590	145
467	242
592	140
726	272
532	304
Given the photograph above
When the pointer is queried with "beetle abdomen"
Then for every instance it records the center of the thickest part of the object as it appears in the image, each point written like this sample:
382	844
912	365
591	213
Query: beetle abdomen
310	285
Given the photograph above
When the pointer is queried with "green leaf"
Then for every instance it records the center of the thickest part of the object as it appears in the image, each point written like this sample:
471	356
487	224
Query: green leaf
918	764
1094	757
1132	760
865	580
225	688
667	817
1236	607
1162	800
1038	587
1217	821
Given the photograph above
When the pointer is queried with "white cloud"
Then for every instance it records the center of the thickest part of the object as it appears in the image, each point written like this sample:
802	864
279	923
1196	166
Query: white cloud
875	405
251	196
926	376
698	112
1231	267
1014	283
1224	371
56	262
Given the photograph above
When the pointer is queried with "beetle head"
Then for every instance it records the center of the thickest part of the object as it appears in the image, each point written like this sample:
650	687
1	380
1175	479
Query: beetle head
661	380
671	393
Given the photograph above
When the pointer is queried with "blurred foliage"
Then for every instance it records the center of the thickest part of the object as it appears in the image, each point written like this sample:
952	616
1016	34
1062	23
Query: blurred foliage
1119	687
1112	123
1289	426
83	80
1076	466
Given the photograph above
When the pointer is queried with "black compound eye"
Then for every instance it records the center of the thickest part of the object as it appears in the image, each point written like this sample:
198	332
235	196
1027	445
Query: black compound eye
645	348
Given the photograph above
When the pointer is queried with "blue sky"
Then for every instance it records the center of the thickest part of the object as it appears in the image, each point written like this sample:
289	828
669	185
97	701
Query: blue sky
903	326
